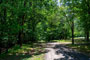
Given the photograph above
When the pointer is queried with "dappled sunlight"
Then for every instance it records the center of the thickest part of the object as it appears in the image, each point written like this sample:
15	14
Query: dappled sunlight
44	29
26	52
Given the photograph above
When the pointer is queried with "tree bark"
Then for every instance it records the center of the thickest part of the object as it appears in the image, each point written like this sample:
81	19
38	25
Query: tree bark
87	36
72	29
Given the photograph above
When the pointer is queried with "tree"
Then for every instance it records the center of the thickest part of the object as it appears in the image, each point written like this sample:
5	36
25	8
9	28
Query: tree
81	8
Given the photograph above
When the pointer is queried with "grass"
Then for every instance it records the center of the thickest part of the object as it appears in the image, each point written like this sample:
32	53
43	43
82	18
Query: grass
37	57
26	52
77	41
62	41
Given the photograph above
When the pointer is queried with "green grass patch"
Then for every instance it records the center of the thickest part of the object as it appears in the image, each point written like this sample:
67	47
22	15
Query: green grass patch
62	41
37	57
76	40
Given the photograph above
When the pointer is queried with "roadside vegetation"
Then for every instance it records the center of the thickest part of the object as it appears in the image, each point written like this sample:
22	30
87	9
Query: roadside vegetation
26	52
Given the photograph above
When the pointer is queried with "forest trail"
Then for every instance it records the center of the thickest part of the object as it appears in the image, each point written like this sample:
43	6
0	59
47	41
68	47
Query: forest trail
57	51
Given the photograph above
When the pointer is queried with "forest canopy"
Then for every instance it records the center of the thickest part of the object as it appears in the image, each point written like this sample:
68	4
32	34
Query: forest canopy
29	21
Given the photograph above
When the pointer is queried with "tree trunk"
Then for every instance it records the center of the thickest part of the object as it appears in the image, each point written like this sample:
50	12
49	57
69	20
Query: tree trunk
1	30
21	34
33	32
87	32
19	39
87	36
0	50
4	21
72	29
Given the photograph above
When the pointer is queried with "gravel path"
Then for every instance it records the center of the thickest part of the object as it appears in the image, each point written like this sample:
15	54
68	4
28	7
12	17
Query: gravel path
56	51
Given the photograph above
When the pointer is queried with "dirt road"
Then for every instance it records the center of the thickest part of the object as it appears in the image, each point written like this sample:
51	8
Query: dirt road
57	51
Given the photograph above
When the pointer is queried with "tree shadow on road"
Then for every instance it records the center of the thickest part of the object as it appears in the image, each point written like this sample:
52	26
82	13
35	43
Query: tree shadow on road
68	53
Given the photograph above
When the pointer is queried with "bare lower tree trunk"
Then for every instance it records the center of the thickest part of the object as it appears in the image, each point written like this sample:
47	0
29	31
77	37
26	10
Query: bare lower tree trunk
87	32
72	29
87	36
19	39
0	50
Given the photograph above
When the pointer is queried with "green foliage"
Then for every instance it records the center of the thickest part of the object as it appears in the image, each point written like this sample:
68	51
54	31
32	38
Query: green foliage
24	21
